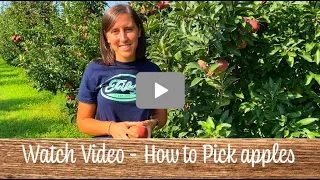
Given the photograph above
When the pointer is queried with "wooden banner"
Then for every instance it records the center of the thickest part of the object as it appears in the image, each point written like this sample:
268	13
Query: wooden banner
160	158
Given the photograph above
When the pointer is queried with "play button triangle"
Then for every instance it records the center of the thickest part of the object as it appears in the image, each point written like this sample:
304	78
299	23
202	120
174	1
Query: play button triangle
159	90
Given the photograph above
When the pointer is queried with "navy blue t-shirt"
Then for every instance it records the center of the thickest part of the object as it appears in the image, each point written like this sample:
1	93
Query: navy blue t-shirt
113	89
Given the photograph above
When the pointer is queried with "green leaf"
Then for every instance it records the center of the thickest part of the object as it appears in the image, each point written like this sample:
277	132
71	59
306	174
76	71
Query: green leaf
239	10
300	2
295	44
306	56
225	125
224	116
234	51
245	107
271	83
224	102
275	129
286	133
294	95
195	81
230	29
216	11
182	134
317	78
230	80
292	54
213	67
313	134
317	33
210	122
183	27
227	3
295	134
309	78
202	5
317	57
290	61
193	65
202	124
213	83
178	55
276	49
307	121
218	45
291	41
266	18
294	114
283	120
309	46
240	95
178	13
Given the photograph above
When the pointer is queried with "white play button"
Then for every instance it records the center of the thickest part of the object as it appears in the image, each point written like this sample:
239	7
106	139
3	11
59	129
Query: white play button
159	90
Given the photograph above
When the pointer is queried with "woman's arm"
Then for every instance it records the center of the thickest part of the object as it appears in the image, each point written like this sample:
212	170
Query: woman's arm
88	125
86	122
161	116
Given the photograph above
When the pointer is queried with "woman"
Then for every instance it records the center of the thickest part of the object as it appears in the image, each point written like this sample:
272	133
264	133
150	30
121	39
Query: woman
107	94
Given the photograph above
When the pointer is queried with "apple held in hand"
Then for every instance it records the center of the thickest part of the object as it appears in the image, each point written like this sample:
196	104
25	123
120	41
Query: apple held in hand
141	131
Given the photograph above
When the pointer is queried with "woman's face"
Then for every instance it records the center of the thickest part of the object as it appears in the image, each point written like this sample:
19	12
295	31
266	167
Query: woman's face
123	38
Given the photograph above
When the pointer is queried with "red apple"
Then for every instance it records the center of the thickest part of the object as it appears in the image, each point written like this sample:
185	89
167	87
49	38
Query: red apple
70	97
255	25
243	44
85	36
18	38
141	131
166	3
203	64
69	84
163	4
143	11
246	19
151	12
186	106
223	66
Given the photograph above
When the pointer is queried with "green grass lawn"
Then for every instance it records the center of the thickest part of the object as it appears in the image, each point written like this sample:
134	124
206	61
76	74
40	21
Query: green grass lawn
27	113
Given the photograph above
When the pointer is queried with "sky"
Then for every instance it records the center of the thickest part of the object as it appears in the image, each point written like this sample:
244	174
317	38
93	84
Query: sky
111	3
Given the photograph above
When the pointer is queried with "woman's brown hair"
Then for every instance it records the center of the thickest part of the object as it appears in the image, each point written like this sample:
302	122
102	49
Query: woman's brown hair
108	20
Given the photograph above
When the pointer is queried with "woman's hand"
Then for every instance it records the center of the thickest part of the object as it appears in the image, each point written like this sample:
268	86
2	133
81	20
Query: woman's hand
121	129
150	124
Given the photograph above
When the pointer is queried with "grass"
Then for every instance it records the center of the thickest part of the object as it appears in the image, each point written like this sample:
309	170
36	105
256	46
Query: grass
27	113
